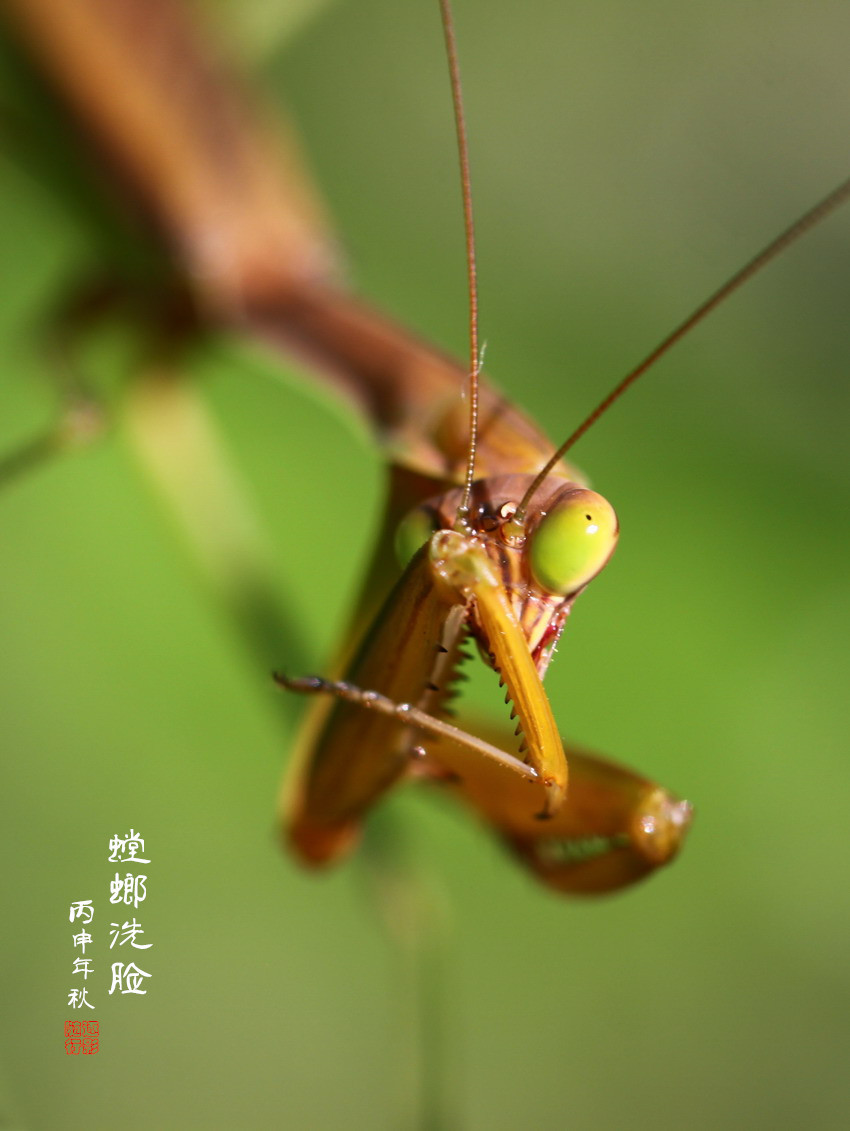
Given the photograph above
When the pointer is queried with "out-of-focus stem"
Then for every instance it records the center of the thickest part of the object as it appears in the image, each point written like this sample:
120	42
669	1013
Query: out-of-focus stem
185	459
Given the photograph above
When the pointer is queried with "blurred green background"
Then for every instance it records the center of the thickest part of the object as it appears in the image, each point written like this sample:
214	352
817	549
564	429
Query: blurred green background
626	159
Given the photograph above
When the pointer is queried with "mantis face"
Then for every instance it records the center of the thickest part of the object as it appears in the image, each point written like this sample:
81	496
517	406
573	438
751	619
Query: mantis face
568	534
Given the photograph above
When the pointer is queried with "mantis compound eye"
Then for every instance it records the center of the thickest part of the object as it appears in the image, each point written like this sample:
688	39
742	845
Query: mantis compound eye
573	541
413	531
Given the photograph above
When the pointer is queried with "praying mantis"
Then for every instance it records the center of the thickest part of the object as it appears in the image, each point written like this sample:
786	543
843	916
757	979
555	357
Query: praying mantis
495	569
498	559
255	252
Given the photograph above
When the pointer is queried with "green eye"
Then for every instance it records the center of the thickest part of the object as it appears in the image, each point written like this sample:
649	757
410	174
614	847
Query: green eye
573	541
413	531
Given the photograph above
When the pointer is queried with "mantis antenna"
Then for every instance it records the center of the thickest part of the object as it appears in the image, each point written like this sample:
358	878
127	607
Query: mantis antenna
469	228
805	223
